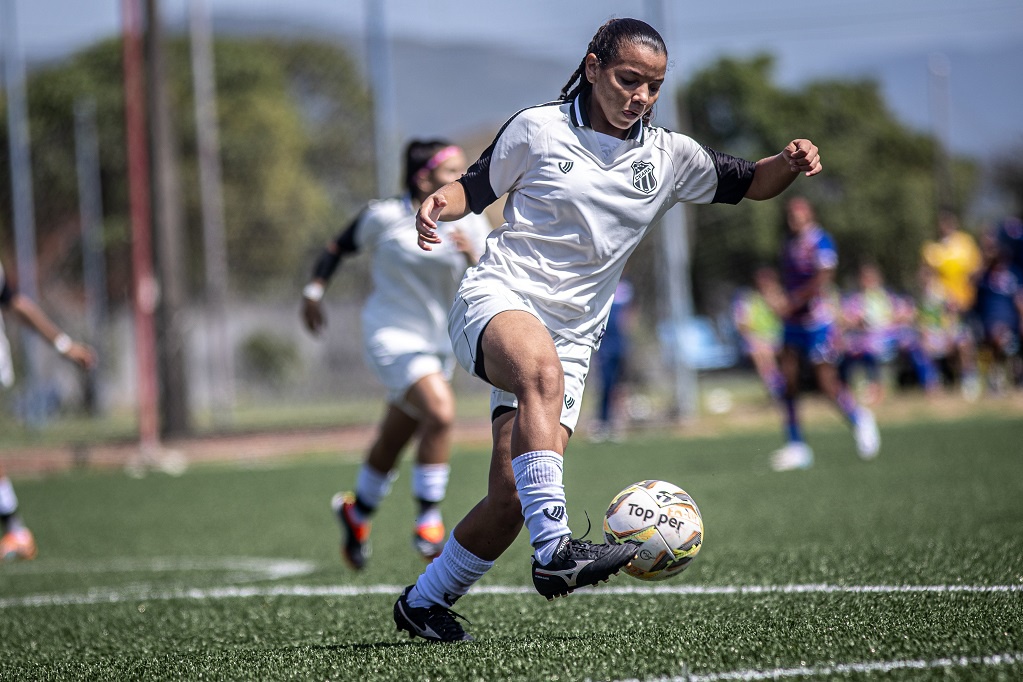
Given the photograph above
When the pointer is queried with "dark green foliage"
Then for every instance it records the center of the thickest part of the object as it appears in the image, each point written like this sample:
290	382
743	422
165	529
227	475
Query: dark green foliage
296	151
876	195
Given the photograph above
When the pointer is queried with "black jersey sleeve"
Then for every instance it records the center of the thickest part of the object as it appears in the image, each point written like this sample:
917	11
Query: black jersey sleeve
7	292
342	245
476	181
735	176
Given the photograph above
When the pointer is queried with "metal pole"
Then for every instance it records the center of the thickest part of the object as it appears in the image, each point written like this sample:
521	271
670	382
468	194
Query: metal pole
22	202
169	233
146	289
378	57
211	198
90	203
674	270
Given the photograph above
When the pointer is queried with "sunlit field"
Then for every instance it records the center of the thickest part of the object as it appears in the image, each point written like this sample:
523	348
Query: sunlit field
907	567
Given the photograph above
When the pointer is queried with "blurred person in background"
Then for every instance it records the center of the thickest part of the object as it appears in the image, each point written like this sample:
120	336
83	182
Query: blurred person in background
1010	234
405	340
759	327
16	541
586	177
612	363
809	259
998	309
955	258
944	337
878	326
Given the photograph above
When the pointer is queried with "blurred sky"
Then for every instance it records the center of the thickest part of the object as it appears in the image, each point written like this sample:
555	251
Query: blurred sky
890	40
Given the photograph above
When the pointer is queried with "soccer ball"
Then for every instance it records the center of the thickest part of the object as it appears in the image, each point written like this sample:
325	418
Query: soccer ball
662	521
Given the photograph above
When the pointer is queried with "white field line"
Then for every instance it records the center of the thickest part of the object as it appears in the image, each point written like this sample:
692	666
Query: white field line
115	595
845	669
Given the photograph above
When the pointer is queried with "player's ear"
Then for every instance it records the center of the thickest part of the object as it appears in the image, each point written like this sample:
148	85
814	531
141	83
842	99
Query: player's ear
592	65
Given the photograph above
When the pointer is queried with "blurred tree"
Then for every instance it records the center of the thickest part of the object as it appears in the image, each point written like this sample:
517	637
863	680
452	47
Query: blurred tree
876	195
296	145
1008	176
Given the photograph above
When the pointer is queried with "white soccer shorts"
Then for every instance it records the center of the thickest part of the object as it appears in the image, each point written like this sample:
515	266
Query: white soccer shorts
398	372
473	309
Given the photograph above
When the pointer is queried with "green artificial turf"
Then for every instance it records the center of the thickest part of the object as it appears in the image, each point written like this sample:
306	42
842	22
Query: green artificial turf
228	573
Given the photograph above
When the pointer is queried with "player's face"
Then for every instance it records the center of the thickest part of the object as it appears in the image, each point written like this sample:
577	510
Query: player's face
799	215
449	170
626	90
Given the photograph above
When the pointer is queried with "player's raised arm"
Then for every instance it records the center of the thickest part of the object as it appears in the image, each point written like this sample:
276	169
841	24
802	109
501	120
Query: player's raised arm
446	204
775	173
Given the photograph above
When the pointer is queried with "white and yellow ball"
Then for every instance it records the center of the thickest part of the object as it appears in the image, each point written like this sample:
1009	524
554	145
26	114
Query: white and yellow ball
664	523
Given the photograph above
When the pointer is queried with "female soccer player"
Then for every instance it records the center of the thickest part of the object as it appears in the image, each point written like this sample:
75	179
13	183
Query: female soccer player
586	176
16	540
403	329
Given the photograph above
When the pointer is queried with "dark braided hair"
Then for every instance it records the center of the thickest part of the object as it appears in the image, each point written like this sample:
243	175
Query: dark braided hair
606	44
417	154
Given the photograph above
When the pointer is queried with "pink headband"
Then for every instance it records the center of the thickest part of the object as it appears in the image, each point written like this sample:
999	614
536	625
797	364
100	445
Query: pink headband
441	156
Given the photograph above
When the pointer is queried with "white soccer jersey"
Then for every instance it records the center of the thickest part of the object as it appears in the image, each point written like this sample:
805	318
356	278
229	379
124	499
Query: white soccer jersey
574	216
412	289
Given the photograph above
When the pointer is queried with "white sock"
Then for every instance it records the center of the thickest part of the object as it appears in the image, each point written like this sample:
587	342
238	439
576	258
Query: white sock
8	500
371	487
430	481
448	577
538	478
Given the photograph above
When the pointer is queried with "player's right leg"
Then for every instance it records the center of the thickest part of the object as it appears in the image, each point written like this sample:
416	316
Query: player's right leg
434	402
354	510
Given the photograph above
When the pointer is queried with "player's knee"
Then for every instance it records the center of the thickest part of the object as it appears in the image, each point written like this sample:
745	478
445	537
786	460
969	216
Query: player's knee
439	416
545	382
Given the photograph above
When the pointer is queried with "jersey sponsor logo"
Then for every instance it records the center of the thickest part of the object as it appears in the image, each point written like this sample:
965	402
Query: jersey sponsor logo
569	401
565	166
555	513
643	177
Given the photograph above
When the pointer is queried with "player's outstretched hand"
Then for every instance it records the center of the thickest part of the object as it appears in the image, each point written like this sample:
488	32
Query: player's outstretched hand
426	220
803	157
312	314
82	355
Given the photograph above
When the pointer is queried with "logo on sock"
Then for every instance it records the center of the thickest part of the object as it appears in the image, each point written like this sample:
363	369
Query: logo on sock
555	513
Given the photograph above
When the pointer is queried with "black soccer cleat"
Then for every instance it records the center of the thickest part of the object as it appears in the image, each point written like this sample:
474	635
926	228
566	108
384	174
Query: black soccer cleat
577	563
436	623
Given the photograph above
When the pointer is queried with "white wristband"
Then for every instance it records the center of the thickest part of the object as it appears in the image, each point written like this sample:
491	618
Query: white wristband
62	342
313	292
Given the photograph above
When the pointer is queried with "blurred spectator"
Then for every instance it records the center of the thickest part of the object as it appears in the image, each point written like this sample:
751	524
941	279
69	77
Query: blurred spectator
612	362
955	258
878	328
16	541
1010	234
944	335
999	312
760	328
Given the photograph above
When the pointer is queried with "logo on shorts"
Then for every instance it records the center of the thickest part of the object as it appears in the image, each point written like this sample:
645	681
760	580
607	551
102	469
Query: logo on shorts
565	166
643	177
569	401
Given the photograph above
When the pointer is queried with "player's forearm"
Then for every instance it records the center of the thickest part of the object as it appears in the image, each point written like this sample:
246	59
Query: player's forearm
457	206
771	177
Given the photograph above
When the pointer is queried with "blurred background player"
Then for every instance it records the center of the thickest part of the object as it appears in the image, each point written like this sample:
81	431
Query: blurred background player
753	312
586	178
404	329
955	258
612	363
808	267
17	541
998	310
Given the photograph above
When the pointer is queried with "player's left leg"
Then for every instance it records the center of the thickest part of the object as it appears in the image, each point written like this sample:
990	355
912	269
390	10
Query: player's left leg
16	541
868	439
434	402
484	534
